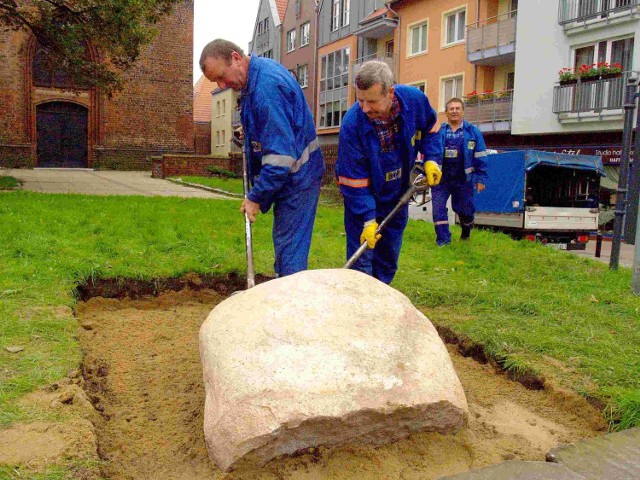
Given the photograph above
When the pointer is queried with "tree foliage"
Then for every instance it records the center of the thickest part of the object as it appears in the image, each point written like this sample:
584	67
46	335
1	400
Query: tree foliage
116	30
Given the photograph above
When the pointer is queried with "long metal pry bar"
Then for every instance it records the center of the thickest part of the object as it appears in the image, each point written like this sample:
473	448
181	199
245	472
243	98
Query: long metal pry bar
418	186
251	276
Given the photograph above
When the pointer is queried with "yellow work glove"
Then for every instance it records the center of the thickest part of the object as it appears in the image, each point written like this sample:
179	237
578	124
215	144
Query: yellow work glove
432	172
369	233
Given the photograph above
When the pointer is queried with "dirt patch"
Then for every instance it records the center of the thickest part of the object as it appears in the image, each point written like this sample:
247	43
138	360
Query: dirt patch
39	444
143	373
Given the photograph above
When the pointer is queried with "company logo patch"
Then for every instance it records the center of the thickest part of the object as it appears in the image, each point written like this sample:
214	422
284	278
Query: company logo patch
471	144
451	153
416	136
393	175
256	146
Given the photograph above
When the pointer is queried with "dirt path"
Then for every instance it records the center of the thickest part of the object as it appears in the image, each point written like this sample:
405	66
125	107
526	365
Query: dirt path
143	373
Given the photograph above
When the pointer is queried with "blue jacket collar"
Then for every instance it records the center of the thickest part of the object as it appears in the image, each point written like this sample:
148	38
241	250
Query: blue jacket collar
252	75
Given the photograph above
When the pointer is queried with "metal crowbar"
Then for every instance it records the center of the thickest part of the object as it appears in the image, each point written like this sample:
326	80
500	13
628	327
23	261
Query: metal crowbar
416	192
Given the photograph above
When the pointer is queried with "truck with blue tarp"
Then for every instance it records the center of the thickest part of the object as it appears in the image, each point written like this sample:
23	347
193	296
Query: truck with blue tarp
543	196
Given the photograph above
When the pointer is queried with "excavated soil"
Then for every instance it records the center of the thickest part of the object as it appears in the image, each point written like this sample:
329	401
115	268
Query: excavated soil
143	374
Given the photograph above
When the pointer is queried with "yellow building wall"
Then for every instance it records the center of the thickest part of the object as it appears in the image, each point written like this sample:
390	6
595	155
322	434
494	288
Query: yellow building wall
500	77
223	103
504	6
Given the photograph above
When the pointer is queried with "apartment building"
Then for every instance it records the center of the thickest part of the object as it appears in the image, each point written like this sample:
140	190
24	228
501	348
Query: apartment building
502	57
346	34
267	33
223	116
299	41
585	116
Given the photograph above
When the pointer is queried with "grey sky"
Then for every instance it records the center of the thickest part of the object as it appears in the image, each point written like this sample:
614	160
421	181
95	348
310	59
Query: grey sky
229	19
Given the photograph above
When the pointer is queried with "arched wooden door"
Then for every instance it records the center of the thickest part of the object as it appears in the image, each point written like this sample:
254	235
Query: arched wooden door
61	129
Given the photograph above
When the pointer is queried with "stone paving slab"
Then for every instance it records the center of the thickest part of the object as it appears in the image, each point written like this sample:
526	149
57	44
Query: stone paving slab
107	182
519	470
615	456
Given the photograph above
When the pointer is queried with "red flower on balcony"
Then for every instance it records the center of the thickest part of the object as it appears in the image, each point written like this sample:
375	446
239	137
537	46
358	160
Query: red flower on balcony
588	72
472	97
567	75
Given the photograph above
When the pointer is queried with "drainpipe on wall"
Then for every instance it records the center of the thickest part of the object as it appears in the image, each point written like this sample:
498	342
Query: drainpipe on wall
316	74
475	67
399	42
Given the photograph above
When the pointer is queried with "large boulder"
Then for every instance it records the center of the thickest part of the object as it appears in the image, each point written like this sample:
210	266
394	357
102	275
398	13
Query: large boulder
322	357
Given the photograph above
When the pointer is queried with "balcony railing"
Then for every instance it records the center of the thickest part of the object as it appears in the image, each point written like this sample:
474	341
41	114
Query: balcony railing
570	11
492	33
389	59
492	111
591	96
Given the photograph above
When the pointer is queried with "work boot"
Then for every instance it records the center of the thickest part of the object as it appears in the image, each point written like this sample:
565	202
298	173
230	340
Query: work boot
466	233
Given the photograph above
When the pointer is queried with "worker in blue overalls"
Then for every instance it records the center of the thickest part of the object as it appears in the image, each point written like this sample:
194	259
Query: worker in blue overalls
379	140
284	157
463	167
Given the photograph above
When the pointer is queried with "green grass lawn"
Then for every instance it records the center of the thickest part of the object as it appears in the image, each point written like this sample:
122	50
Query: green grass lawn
330	194
231	185
566	318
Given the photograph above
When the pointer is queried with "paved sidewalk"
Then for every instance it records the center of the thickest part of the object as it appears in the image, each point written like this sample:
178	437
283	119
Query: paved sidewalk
107	182
626	253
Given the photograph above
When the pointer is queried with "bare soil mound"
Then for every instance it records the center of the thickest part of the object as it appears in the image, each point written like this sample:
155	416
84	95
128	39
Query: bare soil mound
143	374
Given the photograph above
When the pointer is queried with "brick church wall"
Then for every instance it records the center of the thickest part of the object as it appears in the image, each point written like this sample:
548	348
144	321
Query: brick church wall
15	146
153	115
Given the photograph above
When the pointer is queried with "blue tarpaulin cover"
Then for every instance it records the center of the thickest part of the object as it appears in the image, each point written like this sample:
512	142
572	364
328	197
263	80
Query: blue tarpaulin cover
506	172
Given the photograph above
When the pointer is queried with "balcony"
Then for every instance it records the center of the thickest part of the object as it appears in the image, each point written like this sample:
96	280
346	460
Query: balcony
262	42
379	24
388	59
584	13
492	41
591	99
490	114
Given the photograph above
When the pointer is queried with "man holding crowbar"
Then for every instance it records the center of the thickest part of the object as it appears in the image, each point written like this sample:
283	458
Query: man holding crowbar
380	138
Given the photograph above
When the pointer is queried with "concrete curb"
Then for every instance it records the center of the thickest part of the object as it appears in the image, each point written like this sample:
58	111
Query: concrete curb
204	187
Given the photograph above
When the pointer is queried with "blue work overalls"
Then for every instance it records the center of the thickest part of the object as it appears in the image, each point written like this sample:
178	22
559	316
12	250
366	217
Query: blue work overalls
284	157
372	181
463	165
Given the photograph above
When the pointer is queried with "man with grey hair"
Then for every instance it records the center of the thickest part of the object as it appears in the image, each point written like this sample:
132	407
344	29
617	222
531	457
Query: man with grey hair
380	138
284	158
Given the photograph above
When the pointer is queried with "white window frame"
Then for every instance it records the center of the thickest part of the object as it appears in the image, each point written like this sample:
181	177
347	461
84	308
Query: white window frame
418	83
305	33
410	29
442	100
291	40
596	45
303	80
445	20
346	7
331	100
217	108
224	141
335	15
224	107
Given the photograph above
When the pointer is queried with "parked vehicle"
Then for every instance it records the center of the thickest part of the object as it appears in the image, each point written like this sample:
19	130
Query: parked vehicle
542	196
